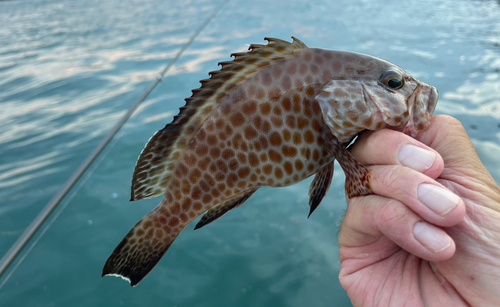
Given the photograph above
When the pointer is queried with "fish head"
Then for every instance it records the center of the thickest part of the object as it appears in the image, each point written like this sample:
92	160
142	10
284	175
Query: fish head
373	95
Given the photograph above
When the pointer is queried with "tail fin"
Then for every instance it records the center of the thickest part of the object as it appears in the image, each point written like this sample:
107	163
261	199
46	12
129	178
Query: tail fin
142	248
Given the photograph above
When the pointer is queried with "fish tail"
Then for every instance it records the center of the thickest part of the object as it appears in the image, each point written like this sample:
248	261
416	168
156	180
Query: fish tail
144	245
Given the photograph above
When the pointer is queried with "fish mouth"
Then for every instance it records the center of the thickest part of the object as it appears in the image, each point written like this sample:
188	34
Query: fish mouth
421	106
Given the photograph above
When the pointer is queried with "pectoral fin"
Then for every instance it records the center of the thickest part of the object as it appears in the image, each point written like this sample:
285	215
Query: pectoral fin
357	182
221	209
319	187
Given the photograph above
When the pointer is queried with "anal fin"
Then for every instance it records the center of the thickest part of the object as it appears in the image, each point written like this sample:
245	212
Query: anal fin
219	210
357	182
319	187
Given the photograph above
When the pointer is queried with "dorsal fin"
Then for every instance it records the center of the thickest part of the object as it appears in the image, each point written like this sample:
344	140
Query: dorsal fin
159	158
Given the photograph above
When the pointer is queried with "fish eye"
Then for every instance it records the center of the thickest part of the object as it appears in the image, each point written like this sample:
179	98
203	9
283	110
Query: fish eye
392	79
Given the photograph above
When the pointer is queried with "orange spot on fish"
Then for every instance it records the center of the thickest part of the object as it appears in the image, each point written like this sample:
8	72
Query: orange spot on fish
231	180
286	135
159	233
275	139
174	221
244	172
297	138
288	167
185	206
197	206
310	92
207	198
196	193
237	119
299	166
275	156
309	137
265	108
278	173
289	151
315	154
347	124
250	133
253	159
263	157
201	150
368	122
214	152
215	192
277	121
249	108
286	103
302	122
290	121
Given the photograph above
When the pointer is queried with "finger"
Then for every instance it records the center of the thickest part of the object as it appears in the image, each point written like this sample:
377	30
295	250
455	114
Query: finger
389	147
368	218
426	197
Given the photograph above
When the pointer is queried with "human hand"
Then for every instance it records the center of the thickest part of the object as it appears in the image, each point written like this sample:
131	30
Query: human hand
413	242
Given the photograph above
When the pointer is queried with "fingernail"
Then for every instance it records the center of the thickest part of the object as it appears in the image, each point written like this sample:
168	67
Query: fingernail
433	238
416	158
439	200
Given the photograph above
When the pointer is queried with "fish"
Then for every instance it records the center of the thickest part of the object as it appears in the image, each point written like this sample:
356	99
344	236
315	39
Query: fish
271	117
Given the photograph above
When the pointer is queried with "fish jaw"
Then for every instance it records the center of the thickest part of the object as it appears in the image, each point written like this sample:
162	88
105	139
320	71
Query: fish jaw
423	103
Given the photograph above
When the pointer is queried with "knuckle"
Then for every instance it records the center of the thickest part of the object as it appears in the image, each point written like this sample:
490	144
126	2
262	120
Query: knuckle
448	123
390	177
393	212
395	180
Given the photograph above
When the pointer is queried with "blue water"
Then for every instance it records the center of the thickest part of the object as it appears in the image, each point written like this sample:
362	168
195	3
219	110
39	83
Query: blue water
70	69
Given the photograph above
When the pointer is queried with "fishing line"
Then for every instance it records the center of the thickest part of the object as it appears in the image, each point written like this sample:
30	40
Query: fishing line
35	225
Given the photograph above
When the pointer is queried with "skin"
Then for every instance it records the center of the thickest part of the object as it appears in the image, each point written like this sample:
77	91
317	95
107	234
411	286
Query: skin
383	262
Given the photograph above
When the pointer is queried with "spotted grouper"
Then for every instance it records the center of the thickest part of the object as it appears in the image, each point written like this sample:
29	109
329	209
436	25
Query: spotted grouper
272	117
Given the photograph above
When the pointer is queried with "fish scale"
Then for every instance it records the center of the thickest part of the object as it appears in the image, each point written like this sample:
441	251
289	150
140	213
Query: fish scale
272	117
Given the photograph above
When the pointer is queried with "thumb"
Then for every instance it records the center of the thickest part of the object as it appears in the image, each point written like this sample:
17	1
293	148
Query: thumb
447	136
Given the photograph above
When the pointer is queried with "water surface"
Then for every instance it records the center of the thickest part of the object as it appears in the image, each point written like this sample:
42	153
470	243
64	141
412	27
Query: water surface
70	69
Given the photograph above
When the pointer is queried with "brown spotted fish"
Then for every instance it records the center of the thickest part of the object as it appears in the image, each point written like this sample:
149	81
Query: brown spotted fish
271	117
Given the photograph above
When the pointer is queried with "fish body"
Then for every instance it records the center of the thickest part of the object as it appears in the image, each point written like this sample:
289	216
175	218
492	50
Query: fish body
271	117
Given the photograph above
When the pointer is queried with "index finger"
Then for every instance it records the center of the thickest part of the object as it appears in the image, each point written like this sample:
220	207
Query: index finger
389	147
